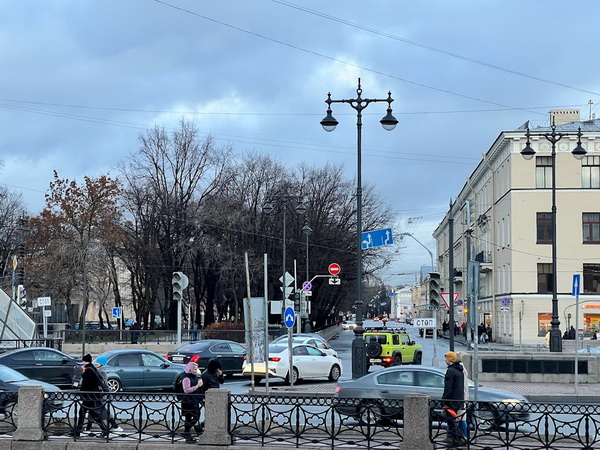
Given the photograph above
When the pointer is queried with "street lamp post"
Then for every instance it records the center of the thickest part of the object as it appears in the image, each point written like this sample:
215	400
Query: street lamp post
284	201
578	152
389	122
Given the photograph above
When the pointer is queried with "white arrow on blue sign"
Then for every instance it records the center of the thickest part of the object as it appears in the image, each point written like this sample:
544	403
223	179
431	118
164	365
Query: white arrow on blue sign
289	317
576	285
377	238
116	313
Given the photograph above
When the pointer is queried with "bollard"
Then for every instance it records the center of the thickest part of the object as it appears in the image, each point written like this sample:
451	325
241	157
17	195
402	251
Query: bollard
216	418
29	423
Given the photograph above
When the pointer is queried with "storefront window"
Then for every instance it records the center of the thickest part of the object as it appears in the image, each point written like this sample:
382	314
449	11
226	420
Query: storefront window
544	323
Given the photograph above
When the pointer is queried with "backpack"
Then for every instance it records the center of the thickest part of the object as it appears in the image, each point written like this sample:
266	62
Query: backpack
179	386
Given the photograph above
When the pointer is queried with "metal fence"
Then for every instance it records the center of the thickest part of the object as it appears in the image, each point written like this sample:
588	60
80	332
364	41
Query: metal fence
140	416
528	426
304	421
300	421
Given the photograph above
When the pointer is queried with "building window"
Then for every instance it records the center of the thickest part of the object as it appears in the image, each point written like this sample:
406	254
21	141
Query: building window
591	228
544	324
544	228
591	278
590	172
544	274
543	172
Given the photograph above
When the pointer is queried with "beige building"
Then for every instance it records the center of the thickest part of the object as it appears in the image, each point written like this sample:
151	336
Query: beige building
502	219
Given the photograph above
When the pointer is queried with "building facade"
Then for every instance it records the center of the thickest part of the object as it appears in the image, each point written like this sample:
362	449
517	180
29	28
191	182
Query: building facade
502	219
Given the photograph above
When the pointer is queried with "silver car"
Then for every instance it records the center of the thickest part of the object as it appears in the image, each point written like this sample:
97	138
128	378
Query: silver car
377	395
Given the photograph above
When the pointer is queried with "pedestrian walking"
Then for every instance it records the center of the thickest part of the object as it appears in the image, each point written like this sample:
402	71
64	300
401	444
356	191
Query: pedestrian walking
106	413
462	412
134	329
453	397
192	386
91	398
213	375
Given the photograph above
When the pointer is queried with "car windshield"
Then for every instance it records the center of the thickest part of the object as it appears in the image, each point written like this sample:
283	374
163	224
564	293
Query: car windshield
9	375
195	347
277	348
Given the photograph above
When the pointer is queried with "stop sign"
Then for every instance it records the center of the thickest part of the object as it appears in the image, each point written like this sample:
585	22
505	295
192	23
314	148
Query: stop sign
334	269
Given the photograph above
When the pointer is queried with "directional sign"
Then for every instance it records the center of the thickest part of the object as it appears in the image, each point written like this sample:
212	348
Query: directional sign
334	269
377	238
335	281
307	286
446	296
289	317
576	289
116	313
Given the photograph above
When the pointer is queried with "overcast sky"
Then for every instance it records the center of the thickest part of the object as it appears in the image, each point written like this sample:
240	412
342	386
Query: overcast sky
81	79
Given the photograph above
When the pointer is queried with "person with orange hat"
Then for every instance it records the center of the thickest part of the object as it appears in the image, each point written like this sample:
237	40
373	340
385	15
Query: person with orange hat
453	396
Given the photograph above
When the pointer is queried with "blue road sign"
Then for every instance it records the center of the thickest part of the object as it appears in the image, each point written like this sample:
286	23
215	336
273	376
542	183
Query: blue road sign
307	286
377	238
576	285
289	317
116	313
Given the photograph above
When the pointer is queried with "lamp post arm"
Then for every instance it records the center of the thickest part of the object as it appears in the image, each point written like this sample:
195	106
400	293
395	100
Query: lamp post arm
422	245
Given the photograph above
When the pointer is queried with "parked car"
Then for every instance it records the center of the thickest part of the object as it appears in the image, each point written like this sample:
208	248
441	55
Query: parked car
140	370
298	339
379	391
229	353
43	364
308	362
11	381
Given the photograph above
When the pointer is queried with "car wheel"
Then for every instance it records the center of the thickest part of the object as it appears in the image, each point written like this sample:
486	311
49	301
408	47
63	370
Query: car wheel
371	414
486	417
334	374
294	376
397	360
114	385
374	349
419	359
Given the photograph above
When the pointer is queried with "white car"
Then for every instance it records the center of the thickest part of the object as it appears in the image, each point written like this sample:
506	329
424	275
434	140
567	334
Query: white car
348	325
308	362
314	340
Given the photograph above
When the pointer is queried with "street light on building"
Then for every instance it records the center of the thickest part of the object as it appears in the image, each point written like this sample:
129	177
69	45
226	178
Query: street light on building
528	153
389	122
284	201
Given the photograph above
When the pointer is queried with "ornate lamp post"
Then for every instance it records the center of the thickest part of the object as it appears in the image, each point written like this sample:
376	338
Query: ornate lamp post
578	152
389	122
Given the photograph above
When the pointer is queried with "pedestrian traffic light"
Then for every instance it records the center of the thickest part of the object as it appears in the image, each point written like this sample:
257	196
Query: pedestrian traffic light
297	302
180	282
435	289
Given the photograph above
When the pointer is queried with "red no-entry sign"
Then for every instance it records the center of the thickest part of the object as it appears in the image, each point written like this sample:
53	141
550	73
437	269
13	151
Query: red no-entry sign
334	269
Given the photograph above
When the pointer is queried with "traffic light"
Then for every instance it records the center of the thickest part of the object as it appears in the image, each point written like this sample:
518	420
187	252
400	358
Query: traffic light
297	302
21	299
180	282
435	289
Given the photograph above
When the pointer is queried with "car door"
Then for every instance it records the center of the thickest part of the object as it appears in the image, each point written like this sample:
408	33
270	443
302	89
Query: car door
394	384
319	363
129	370
302	361
407	349
157	375
222	351
430	383
53	366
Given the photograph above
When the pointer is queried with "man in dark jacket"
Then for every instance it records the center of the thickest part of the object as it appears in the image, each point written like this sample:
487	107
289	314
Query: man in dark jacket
453	396
90	395
213	375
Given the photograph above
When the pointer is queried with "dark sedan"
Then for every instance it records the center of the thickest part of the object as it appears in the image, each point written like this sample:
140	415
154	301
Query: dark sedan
229	353
140	370
41	363
11	381
379	392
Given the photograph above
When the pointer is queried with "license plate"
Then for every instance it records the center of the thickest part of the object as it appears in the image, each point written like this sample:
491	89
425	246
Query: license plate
177	358
375	360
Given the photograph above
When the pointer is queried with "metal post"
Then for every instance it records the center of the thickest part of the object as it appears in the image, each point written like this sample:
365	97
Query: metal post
284	287
451	274
359	363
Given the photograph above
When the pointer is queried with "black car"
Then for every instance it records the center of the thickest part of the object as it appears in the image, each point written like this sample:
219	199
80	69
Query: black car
229	353
11	381
43	364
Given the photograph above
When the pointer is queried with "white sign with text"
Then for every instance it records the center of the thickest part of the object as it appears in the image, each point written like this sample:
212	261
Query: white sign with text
425	323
